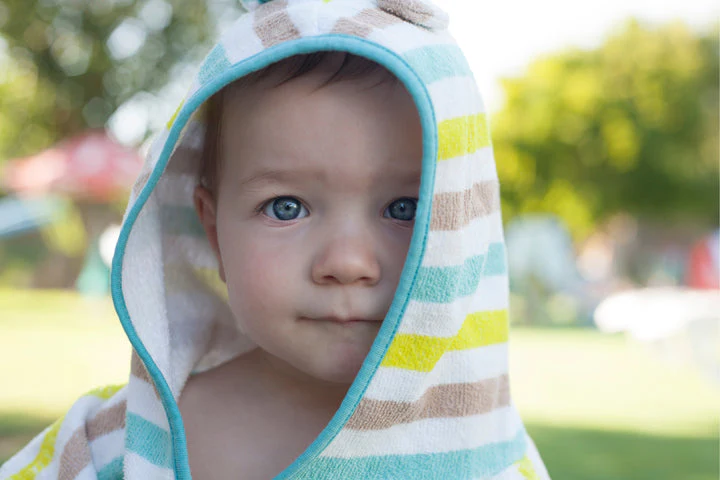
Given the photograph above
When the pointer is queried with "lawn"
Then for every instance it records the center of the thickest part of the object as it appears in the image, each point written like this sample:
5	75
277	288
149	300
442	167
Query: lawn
598	407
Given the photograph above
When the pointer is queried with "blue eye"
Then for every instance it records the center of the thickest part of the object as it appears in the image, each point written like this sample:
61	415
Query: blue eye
285	209
402	209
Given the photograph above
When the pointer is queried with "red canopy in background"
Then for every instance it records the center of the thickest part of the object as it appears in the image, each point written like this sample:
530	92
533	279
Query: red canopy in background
91	166
704	263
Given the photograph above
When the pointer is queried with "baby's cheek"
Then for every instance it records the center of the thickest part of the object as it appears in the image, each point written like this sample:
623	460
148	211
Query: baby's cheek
261	277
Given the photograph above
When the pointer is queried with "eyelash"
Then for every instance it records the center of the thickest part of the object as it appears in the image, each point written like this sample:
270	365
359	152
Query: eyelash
260	209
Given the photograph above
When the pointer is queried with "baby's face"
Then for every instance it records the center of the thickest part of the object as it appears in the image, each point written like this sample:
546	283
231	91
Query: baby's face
317	194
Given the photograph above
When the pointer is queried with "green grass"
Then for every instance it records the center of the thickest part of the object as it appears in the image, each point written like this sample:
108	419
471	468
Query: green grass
601	407
598	407
54	347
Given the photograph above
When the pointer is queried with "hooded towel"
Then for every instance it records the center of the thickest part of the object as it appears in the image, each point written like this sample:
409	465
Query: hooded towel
432	399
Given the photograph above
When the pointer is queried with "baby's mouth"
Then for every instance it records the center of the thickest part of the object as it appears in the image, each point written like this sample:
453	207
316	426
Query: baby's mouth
344	320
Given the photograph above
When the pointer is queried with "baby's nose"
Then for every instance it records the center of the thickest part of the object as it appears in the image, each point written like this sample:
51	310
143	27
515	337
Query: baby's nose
347	260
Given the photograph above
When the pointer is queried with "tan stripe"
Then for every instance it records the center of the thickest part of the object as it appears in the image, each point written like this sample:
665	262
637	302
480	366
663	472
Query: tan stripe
363	24
106	421
137	369
413	11
452	211
273	25
75	456
442	401
140	183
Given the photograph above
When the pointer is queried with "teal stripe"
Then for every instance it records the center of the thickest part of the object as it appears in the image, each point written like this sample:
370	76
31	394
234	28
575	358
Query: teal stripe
445	284
112	471
214	64
483	462
180	221
148	440
496	263
438	62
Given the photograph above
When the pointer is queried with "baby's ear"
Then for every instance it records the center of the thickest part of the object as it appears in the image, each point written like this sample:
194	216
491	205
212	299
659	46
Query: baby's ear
206	210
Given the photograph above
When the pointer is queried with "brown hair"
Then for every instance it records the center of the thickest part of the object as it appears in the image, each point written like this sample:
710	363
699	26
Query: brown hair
352	67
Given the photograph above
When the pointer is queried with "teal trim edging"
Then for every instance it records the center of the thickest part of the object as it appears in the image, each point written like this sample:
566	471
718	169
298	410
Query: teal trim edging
418	90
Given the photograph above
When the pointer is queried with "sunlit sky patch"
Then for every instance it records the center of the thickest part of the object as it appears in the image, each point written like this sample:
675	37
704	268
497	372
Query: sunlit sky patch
501	37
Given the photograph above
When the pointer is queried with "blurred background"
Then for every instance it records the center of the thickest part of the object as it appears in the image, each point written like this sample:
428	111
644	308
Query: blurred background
605	129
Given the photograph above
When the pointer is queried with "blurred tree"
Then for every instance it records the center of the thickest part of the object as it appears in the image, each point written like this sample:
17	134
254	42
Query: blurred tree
66	65
631	126
69	65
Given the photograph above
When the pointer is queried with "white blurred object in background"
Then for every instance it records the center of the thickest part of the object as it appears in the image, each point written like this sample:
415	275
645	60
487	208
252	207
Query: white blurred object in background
681	324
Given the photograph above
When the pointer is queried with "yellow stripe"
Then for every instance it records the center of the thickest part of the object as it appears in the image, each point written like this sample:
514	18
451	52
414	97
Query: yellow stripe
170	122
47	447
44	456
462	136
421	352
526	469
105	392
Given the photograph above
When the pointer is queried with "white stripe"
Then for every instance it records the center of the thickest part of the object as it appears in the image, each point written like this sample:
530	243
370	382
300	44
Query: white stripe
87	473
460	173
75	418
453	247
445	319
119	397
176	189
455	97
459	366
107	448
143	402
305	17
51	471
240	41
312	18
403	37
510	473
137	467
432	435
143	287
197	252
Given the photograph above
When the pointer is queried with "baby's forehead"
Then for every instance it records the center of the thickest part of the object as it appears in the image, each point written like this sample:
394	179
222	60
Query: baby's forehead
310	72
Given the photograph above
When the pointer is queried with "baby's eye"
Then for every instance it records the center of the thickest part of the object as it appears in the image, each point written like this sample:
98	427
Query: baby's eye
285	209
402	209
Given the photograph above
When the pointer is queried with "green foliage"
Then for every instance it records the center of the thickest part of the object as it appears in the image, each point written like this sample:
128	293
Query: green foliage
68	65
631	126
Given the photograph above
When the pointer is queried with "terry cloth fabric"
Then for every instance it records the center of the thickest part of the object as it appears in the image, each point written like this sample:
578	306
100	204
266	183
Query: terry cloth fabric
432	399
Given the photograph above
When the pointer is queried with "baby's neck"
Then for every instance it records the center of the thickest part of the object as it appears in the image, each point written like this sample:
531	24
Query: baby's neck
267	412
272	378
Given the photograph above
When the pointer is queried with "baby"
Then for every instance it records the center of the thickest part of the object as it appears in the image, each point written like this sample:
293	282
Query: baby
310	180
311	269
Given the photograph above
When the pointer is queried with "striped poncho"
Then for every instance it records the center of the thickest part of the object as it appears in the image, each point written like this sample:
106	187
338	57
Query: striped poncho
432	399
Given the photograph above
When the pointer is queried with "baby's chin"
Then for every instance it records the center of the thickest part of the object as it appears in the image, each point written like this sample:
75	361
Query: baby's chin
340	368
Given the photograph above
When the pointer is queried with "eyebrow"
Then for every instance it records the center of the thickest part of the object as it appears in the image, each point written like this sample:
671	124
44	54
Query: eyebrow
288	176
268	176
